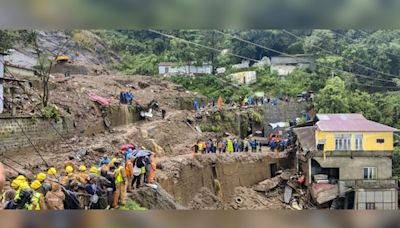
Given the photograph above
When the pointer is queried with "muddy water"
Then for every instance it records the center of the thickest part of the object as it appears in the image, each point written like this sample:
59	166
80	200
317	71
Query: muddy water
231	173
118	115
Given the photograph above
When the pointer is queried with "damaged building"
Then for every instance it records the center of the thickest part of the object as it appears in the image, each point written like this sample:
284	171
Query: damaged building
347	162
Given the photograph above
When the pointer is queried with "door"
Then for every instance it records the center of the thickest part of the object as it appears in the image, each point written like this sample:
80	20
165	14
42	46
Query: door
274	168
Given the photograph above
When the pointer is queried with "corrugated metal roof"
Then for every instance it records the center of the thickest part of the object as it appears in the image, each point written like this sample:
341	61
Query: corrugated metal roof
350	122
306	137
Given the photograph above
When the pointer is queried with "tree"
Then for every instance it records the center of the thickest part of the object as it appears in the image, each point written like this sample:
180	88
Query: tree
333	97
43	67
7	39
319	39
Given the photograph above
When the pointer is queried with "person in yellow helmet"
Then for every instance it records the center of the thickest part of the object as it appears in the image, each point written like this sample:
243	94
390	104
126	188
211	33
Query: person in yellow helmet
94	170
38	202
82	176
120	182
52	171
41	177
69	177
21	178
69	169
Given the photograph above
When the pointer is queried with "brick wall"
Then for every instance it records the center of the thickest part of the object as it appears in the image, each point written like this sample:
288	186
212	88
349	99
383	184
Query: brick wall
39	131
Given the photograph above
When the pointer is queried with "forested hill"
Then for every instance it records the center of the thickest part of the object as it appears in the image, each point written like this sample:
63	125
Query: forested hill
356	70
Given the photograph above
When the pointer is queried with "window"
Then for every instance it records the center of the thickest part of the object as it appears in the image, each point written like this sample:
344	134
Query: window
343	142
370	206
380	141
359	142
370	173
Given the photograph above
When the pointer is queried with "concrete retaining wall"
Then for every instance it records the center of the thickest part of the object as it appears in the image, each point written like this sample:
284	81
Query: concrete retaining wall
38	130
231	174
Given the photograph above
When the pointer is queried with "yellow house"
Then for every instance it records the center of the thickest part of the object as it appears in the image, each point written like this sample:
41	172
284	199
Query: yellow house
352	132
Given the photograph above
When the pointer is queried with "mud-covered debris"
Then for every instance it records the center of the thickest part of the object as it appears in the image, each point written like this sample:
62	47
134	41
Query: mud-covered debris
101	149
268	184
205	200
143	85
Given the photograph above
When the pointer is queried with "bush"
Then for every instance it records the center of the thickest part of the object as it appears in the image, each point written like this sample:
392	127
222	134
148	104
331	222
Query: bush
51	112
132	206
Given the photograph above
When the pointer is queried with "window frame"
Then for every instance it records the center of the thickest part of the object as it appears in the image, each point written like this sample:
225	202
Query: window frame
370	174
380	141
358	142
343	142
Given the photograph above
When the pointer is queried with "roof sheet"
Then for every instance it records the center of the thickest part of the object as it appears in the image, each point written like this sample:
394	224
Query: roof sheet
350	122
306	137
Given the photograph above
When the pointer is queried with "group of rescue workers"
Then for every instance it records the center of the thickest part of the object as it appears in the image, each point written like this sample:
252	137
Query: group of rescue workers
77	187
233	145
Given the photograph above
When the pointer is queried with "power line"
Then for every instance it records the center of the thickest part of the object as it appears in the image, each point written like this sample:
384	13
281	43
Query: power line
293	56
201	45
332	53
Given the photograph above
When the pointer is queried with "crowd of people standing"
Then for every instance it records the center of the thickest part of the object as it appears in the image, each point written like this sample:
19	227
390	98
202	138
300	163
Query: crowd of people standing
77	187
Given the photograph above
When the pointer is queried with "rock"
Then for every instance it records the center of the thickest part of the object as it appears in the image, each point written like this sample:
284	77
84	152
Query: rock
100	149
268	184
143	85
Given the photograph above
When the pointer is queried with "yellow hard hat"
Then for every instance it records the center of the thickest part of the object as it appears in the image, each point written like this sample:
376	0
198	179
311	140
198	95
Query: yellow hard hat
69	169
16	183
35	185
82	168
52	171
21	178
41	177
93	169
24	185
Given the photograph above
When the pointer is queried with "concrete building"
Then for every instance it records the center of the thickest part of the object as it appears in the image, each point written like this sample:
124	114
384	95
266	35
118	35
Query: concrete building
352	153
242	65
167	68
245	77
284	65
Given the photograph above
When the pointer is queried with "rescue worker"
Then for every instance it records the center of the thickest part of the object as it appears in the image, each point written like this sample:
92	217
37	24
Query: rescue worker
120	181
111	165
70	176
38	202
94	170
52	172
229	146
129	173
15	185
104	161
51	176
41	177
153	168
55	198
70	162
82	176
200	146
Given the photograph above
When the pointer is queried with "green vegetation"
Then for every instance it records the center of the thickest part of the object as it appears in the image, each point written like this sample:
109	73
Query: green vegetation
51	112
132	205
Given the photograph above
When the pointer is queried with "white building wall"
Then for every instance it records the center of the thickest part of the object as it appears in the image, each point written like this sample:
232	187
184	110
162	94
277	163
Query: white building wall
207	69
